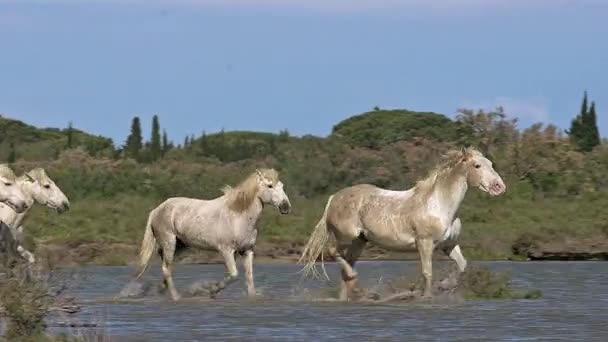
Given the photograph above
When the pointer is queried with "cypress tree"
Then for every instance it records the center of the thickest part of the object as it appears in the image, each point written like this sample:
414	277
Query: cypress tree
134	141
166	145
70	134
594	132
584	109
155	140
583	129
12	155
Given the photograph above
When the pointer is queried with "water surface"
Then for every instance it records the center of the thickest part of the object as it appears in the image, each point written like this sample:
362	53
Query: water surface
574	307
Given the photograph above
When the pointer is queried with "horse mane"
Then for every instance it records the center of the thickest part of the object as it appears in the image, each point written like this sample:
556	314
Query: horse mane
7	172
38	174
449	161
242	196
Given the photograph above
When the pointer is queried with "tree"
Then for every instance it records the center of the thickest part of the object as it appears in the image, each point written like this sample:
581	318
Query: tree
186	142
595	138
166	145
155	140
134	141
12	156
583	129
70	134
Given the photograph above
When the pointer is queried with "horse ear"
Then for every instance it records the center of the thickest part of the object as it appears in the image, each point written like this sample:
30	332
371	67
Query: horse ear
465	153
260	174
29	177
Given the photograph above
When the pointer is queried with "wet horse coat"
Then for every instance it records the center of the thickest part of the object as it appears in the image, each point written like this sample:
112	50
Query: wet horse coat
422	217
227	224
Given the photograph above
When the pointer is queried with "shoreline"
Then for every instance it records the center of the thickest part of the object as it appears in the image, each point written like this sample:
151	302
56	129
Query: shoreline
121	253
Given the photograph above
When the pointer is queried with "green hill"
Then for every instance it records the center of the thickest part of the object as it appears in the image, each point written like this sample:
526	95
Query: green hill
31	143
382	127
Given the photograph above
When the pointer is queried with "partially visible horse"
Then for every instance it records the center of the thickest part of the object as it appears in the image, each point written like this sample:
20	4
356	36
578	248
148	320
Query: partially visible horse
422	217
37	187
227	224
11	195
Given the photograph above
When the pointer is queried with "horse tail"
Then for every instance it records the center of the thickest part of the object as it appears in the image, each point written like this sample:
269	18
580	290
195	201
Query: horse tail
148	245
315	246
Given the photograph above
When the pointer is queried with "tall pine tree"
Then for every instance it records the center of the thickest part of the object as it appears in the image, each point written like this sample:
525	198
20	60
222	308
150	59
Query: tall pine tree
134	141
12	155
70	134
155	141
166	146
594	132
583	130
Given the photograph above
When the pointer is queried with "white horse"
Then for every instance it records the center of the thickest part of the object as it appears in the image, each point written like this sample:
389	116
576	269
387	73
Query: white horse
422	217
37	187
10	194
227	224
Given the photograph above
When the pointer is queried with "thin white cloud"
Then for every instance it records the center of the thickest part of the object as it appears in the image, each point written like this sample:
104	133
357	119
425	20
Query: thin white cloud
343	5
529	110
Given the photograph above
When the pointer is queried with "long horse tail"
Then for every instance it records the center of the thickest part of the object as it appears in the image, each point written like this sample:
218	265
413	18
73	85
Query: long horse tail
315	246
148	245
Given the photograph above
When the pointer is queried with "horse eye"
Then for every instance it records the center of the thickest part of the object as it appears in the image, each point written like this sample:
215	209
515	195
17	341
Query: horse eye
46	186
477	166
270	186
8	184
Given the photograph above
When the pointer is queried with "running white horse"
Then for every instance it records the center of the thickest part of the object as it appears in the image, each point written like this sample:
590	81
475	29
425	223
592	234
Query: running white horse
37	187
227	224
422	217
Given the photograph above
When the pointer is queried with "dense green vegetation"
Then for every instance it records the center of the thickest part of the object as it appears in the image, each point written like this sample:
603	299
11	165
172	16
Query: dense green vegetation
556	190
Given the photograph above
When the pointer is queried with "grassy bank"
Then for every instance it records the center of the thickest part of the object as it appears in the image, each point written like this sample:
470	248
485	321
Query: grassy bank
108	231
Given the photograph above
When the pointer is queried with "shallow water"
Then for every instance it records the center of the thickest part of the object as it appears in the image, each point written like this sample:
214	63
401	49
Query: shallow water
574	307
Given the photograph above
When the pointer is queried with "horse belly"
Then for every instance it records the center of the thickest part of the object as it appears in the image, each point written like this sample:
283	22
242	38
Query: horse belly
200	238
391	238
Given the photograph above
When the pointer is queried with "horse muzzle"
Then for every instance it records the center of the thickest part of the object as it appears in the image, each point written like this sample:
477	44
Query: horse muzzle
284	207
18	206
497	188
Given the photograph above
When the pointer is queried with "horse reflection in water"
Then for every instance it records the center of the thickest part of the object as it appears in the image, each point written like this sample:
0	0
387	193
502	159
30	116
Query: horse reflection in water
423	217
227	224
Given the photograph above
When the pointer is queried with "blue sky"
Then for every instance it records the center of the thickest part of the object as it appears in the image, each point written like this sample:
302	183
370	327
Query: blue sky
303	65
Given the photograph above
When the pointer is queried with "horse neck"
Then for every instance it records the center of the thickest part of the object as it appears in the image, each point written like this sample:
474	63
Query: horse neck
253	211
256	207
449	190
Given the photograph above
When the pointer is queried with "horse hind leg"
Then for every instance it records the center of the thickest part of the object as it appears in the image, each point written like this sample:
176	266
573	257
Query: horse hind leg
167	254
346	259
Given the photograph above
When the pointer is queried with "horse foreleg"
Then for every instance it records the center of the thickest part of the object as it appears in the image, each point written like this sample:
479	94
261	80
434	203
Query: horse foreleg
454	252
425	248
231	274
25	254
451	247
248	266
